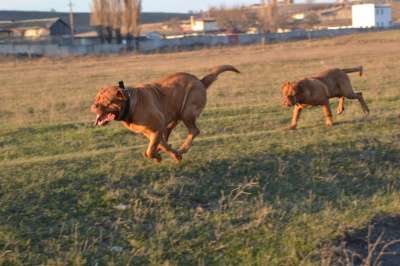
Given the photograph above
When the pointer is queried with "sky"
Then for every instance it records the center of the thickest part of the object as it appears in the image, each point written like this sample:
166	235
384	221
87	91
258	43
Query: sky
148	5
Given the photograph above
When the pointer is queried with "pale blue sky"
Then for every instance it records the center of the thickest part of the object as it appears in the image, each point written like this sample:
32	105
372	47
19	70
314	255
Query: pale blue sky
148	5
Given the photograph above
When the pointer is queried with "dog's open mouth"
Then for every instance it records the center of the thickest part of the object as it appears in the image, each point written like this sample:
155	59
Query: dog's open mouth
105	118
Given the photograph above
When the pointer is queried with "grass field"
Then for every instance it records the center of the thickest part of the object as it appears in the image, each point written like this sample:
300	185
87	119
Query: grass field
249	192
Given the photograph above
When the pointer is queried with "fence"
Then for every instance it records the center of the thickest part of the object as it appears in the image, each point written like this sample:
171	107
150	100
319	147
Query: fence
155	45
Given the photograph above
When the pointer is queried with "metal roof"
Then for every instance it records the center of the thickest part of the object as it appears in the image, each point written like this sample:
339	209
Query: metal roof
31	23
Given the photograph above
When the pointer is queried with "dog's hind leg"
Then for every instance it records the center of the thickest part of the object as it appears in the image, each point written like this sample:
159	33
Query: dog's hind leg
193	132
165	137
340	108
328	115
360	98
349	93
169	129
165	147
195	104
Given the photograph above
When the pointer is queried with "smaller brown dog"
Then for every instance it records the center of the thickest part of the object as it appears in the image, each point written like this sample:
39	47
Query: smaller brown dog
318	90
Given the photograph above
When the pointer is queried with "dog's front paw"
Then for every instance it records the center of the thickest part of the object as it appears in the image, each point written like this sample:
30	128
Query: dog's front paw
177	156
292	127
155	156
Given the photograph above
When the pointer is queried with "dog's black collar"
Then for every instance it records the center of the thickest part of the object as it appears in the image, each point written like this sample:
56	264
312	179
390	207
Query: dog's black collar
125	111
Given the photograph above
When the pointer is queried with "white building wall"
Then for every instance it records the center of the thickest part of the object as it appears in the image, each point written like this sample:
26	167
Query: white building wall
363	16
198	25
205	26
371	15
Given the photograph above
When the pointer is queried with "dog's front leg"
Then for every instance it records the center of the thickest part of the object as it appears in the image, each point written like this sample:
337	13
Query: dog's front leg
296	115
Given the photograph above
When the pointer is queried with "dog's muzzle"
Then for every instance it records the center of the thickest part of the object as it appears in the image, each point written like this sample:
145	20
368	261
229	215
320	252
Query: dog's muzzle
289	101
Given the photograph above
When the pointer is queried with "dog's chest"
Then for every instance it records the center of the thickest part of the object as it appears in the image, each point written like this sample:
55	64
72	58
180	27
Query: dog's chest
135	127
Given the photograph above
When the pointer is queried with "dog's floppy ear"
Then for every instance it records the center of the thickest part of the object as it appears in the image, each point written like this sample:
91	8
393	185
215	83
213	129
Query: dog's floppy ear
121	84
120	94
299	86
285	86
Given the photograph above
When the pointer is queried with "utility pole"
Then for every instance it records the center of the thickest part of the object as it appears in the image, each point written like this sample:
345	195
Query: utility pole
71	19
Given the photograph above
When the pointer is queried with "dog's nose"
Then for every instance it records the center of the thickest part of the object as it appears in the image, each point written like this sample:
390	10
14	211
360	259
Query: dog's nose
94	107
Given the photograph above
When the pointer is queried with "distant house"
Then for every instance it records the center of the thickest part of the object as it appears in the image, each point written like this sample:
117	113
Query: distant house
299	16
337	12
4	33
328	14
201	25
371	15
36	28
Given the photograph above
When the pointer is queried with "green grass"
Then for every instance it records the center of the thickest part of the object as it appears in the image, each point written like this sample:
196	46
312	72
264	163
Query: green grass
249	192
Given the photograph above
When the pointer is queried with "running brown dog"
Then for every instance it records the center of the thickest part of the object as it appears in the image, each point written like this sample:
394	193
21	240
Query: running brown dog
318	90
155	109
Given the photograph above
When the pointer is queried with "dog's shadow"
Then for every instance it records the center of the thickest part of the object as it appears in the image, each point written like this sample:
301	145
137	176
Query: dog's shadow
105	193
336	123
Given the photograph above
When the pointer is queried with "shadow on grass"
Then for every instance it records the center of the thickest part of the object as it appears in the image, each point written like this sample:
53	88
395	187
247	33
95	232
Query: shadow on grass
44	208
376	244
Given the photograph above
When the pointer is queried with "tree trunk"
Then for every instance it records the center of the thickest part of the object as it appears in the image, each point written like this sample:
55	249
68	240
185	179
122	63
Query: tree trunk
100	33
109	35
118	35
129	38
137	43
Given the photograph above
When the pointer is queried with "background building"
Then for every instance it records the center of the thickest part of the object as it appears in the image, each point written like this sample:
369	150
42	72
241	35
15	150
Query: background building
371	15
36	28
203	25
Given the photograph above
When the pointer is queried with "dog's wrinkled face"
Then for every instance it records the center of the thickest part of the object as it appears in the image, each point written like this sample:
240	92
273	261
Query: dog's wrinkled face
289	92
108	105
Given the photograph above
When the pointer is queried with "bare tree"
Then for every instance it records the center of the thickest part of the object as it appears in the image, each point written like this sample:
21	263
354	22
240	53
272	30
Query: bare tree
117	18
101	18
131	20
108	20
96	18
237	19
268	16
174	24
312	19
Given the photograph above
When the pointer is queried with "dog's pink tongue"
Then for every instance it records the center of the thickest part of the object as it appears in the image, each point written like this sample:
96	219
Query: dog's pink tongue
104	118
110	117
96	123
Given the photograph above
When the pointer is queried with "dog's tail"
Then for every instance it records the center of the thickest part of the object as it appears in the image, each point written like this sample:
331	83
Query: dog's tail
354	69
207	80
